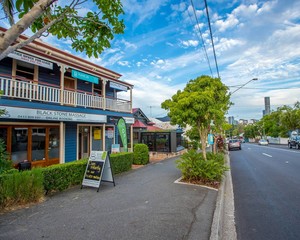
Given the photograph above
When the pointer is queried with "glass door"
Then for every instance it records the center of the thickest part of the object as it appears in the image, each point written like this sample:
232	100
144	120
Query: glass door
84	143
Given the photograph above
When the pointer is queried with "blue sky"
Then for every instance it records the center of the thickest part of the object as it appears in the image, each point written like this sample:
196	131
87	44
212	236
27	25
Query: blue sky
161	50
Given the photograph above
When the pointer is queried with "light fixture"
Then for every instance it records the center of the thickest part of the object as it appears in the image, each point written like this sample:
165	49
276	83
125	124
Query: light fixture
253	79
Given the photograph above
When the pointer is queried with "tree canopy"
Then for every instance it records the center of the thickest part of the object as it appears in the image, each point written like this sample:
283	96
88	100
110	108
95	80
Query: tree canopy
203	99
90	32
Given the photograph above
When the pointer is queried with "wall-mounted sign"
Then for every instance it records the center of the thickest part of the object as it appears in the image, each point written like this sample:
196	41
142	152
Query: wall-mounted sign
118	86
98	169
129	120
97	134
30	59
109	133
41	114
84	76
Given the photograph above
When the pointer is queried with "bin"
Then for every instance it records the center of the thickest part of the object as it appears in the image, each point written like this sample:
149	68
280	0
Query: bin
24	165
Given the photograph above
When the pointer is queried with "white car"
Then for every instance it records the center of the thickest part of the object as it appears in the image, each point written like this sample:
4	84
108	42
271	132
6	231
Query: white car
263	142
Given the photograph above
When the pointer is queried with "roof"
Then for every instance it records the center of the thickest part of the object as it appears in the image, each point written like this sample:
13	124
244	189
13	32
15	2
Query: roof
139	124
153	128
47	51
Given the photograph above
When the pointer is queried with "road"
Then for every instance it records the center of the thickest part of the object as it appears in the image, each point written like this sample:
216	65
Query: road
266	185
145	204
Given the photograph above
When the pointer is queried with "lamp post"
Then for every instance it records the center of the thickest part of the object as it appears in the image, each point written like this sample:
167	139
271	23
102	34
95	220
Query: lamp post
253	79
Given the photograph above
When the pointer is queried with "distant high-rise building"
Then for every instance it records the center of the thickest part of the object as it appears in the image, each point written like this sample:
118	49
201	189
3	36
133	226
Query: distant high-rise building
231	120
267	106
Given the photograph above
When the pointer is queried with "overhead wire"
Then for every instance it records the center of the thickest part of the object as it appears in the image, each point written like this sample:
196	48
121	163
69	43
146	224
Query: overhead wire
211	37
202	40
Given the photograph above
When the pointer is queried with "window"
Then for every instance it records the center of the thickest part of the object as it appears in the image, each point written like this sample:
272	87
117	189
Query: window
25	70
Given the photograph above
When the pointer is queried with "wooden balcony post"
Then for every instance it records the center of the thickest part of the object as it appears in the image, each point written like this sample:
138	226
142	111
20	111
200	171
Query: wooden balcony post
104	81
62	79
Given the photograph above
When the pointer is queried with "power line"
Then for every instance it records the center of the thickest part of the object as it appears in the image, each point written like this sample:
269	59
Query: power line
212	40
201	36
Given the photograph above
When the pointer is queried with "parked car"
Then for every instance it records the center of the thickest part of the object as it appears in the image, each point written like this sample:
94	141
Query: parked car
263	142
234	144
294	141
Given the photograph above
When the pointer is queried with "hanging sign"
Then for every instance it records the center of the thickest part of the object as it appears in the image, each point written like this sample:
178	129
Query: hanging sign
122	130
84	76
117	86
98	169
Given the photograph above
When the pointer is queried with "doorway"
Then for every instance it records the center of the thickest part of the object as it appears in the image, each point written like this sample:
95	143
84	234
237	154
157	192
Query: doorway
84	142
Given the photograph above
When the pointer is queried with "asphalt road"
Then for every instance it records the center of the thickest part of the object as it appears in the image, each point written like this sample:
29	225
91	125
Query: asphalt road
144	204
266	186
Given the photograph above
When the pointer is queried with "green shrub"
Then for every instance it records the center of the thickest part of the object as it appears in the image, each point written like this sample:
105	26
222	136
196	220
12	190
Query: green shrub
5	163
121	162
18	188
195	168
62	176
140	154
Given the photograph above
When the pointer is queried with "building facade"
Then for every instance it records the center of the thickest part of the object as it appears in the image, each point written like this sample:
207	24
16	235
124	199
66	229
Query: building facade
59	107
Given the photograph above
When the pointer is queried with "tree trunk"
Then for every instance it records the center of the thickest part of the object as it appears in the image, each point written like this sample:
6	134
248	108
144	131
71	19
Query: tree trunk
203	137
10	36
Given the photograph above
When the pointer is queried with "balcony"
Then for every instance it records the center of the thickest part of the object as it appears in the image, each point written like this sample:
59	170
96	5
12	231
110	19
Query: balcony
32	91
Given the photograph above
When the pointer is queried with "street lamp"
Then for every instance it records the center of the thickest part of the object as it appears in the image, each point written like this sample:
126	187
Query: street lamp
253	79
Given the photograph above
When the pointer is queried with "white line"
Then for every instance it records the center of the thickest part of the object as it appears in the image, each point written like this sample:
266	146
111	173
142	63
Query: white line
267	155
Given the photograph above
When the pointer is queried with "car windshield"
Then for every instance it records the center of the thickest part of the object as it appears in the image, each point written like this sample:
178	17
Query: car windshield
234	140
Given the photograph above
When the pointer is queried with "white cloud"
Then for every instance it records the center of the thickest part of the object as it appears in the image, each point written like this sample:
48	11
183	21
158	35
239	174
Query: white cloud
124	63
190	43
230	22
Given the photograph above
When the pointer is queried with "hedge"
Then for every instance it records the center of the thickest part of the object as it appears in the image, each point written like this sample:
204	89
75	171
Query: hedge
62	176
18	188
121	162
140	154
29	186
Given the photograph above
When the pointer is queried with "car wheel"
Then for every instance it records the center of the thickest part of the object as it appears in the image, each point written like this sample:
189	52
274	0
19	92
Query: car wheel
289	145
240	148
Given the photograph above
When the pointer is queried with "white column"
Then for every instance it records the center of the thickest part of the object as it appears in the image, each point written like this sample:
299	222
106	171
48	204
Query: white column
62	82
104	81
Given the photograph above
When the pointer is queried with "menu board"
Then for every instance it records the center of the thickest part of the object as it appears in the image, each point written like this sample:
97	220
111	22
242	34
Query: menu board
97	166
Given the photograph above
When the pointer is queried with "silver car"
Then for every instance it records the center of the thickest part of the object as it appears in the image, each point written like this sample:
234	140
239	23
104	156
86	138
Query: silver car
234	144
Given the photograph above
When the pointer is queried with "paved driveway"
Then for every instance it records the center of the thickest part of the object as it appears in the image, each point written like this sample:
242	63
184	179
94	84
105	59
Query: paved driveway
144	204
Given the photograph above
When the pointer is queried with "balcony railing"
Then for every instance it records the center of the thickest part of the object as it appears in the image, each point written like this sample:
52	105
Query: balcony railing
31	91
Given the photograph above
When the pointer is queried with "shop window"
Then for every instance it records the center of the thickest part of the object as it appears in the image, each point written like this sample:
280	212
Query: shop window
53	143
19	144
38	144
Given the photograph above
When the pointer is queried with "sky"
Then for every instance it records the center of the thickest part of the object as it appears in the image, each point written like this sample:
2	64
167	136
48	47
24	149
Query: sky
164	46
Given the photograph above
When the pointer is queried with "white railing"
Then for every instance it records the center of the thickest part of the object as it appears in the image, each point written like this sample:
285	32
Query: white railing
37	92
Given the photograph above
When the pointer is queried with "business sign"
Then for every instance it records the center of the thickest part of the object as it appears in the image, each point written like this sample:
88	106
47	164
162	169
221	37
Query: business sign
129	120
122	130
30	59
84	76
98	169
115	148
210	138
118	86
50	115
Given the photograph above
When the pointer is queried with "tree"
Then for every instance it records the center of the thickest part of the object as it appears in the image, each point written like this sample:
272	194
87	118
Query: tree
91	33
202	100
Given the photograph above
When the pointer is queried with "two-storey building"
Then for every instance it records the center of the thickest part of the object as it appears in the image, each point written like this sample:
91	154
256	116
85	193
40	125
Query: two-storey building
59	107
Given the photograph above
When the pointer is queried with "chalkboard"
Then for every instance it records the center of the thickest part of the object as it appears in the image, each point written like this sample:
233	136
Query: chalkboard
98	169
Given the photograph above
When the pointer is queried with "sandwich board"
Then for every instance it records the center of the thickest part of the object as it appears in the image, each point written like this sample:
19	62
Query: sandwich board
98	169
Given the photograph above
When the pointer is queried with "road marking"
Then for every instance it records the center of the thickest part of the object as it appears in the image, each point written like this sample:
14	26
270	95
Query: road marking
267	155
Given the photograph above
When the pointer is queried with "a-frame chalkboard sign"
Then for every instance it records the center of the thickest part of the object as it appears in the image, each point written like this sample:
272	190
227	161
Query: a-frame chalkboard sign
98	169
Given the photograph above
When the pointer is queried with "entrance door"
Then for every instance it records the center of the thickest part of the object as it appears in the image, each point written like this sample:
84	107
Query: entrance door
84	142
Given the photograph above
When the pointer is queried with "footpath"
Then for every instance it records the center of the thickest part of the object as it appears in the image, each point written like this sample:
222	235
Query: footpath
146	203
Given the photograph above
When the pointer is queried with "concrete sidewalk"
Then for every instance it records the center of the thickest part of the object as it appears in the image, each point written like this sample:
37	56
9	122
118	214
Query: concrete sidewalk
145	204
